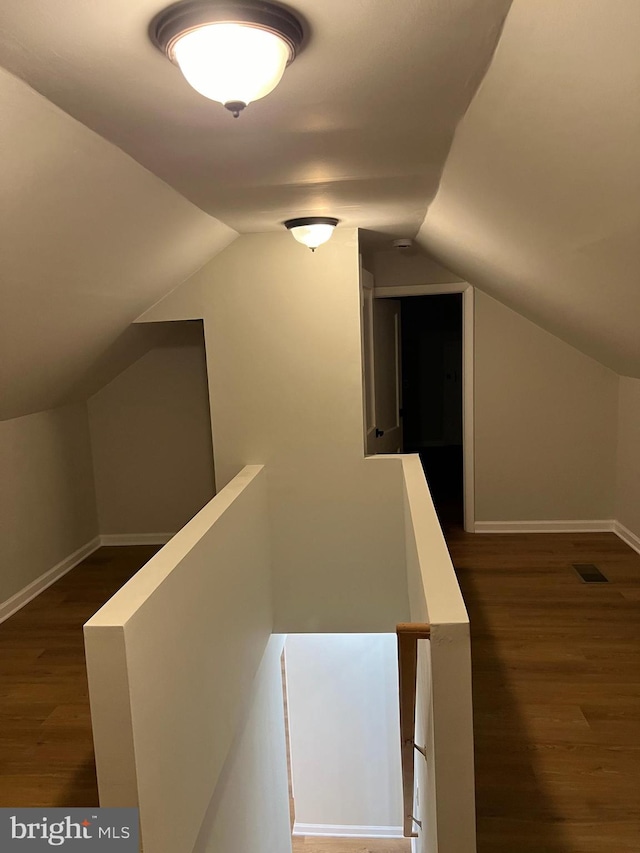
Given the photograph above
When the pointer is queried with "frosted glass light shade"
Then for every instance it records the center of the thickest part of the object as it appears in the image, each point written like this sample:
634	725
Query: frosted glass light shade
232	63
312	231
231	51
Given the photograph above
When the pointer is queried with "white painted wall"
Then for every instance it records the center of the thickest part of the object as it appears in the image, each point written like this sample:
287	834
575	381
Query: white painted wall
151	440
545	417
249	810
282	328
344	729
171	661
628	458
47	502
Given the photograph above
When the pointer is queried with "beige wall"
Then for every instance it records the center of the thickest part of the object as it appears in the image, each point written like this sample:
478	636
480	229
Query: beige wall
284	360
47	503
151	440
628	467
545	421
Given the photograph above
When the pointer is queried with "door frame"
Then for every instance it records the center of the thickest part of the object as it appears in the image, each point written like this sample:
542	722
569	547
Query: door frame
367	295
468	433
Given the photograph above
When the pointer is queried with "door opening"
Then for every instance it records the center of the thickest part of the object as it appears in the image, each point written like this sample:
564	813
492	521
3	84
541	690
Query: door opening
432	396
411	336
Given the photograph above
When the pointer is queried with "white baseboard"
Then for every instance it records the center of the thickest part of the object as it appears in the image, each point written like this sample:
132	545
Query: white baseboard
596	526
348	831
627	536
29	592
572	526
135	538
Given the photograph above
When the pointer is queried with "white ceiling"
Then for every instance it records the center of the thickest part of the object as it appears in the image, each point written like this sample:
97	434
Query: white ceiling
359	127
539	203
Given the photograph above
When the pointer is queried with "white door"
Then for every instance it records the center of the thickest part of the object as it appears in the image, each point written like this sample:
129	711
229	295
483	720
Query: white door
387	381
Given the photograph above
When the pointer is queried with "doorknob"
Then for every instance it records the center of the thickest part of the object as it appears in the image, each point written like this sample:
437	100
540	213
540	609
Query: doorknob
379	432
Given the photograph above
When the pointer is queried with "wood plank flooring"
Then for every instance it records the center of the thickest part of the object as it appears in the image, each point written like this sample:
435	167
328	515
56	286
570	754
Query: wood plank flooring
46	747
556	668
556	691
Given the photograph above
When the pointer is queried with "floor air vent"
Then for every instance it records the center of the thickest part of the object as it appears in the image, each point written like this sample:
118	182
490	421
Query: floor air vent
590	573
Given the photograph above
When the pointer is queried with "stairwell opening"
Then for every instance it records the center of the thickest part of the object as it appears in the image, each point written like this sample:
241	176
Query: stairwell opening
344	745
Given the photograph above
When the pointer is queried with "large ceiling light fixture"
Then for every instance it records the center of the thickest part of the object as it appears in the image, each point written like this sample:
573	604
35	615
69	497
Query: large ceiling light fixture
312	231
231	51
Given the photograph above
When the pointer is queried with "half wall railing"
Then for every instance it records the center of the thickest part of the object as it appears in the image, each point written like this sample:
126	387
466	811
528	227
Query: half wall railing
171	661
436	716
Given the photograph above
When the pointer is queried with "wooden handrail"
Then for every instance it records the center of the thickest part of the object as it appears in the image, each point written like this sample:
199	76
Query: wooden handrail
408	635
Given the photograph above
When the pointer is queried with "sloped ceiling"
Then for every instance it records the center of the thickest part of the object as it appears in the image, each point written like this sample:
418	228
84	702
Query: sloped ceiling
359	127
88	239
539	202
119	192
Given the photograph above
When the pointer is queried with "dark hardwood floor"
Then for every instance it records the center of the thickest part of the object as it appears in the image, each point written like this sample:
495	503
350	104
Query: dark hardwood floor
556	668
46	748
556	690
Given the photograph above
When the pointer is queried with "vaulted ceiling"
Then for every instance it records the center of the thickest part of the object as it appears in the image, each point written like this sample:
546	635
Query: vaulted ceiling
119	181
360	124
539	202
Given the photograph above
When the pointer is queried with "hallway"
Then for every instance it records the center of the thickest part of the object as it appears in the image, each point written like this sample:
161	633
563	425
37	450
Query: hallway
556	668
46	747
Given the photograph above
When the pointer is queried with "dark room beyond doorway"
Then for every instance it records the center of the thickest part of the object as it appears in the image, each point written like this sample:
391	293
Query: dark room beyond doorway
431	343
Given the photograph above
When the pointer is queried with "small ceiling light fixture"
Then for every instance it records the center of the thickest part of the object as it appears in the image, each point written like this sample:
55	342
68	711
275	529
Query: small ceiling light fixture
312	231
231	51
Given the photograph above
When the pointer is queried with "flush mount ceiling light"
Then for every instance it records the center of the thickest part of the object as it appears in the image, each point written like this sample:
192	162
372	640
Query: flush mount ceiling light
231	51
312	231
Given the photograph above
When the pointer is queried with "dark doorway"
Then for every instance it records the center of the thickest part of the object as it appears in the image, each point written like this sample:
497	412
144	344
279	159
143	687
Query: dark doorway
431	344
